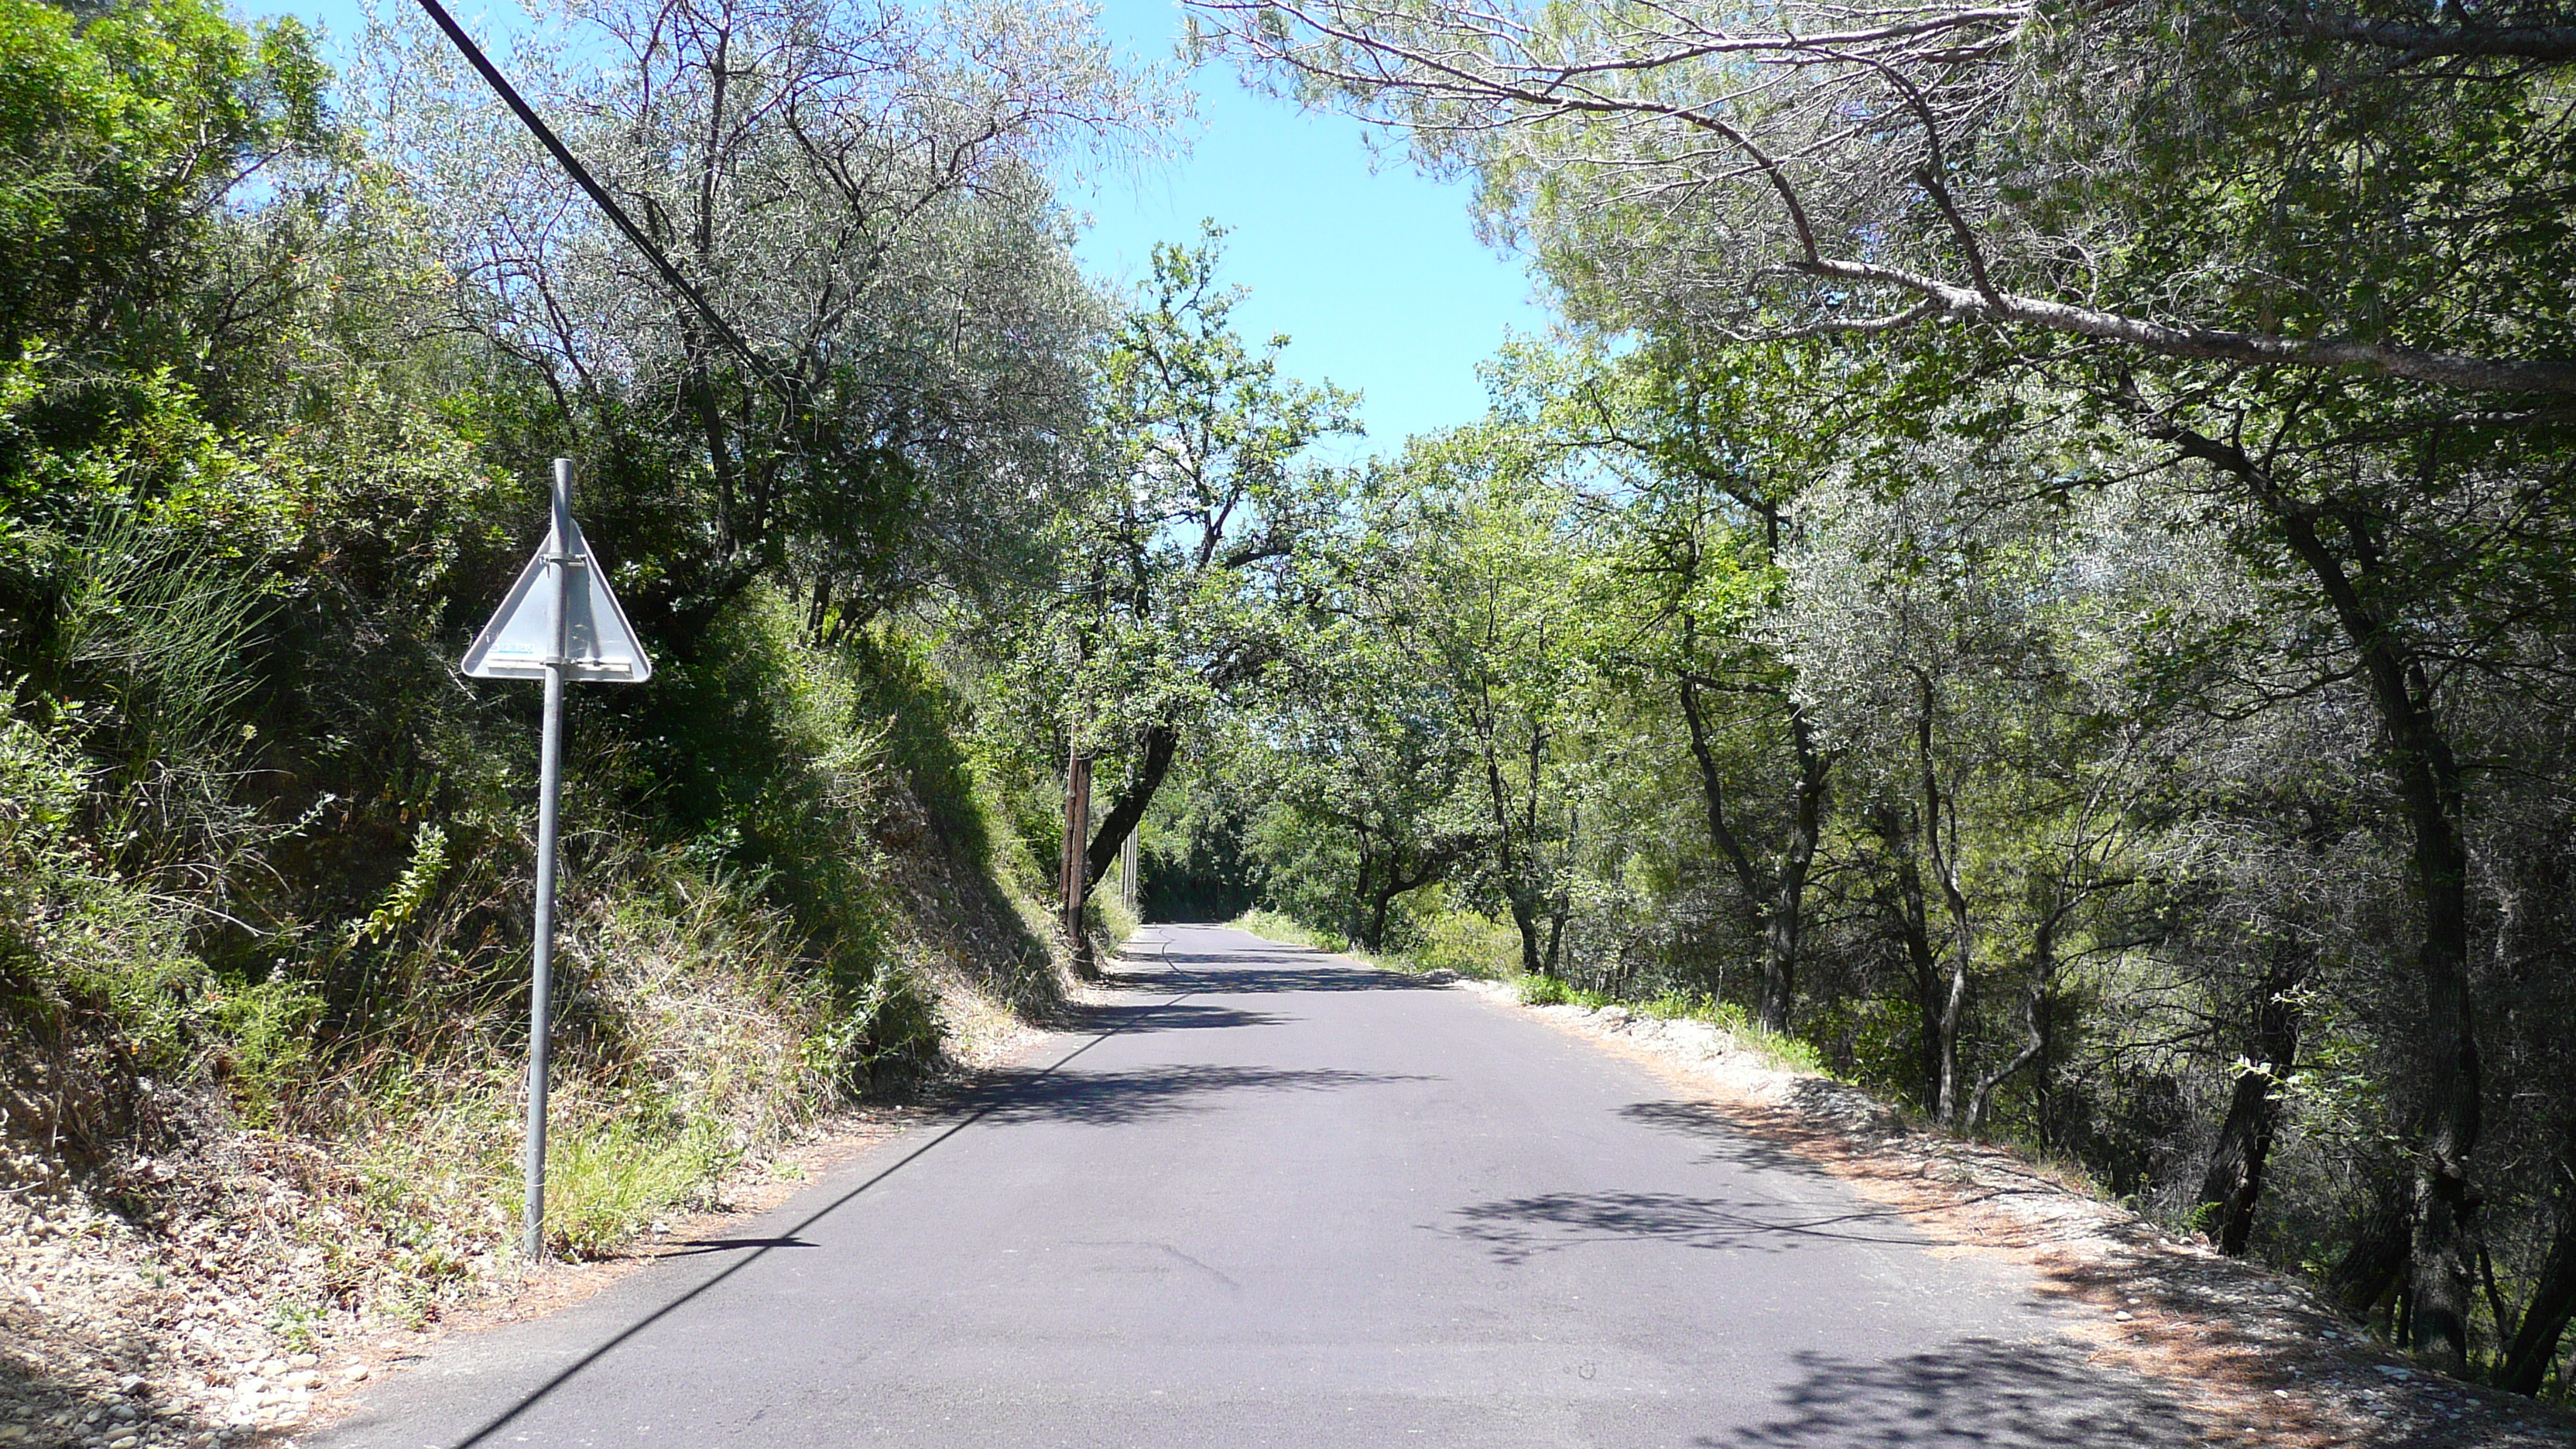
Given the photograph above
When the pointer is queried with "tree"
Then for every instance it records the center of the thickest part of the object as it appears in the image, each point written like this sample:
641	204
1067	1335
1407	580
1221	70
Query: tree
1930	626
1704	164
862	195
2328	268
1360	749
1717	449
127	132
1178	571
1479	580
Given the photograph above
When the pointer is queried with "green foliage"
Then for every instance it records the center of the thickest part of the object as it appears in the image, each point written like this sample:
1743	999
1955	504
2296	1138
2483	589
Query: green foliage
1545	991
1278	927
2021	726
261	852
123	130
610	1180
266	1035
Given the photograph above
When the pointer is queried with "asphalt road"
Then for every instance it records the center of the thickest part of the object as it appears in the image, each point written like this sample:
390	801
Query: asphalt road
1275	1199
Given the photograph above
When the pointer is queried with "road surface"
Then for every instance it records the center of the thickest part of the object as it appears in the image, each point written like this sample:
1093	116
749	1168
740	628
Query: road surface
1273	1199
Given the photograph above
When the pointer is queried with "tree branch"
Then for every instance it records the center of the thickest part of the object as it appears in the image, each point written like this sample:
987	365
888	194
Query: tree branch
2259	349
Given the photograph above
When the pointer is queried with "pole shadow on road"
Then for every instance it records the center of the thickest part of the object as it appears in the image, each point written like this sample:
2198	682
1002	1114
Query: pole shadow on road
968	1116
1991	1393
696	1247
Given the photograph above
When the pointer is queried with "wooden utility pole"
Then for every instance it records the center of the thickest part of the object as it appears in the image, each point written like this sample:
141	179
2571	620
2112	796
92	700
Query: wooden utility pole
1077	847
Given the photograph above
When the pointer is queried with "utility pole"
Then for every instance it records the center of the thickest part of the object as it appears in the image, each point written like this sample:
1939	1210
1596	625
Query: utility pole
1077	848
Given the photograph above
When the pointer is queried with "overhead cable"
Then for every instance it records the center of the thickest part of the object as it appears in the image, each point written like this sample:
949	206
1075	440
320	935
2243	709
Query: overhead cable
581	176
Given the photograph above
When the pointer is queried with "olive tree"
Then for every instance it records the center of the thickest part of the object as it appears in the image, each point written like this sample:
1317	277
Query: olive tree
861	191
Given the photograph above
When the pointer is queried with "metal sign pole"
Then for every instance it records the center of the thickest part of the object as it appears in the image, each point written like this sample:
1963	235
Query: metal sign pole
558	623
559	565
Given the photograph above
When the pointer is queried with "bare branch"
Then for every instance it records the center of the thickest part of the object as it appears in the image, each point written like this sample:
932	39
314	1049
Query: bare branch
2478	374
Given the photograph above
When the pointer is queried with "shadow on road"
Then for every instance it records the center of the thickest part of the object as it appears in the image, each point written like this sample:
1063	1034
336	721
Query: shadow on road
1519	1229
1726	1138
1141	1019
1247	973
1980	1391
1112	1098
970	1115
692	1247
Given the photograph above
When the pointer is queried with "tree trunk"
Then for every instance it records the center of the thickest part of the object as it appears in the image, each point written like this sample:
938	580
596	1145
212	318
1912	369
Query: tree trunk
2421	765
1516	892
2234	1183
1954	1004
1162	742
1525	919
1073	886
2376	1256
1364	892
1915	928
1748	877
2034	1015
2445	1209
1378	909
1785	925
2545	1318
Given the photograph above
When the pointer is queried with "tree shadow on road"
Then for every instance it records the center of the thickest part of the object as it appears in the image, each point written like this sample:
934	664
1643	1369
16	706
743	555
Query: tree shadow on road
1180	1016
1973	1391
1268	967
1104	1099
1245	975
1726	1138
1519	1229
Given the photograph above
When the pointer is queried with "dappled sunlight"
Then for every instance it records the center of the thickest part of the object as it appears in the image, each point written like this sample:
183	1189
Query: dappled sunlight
1106	1099
1973	1391
1522	1228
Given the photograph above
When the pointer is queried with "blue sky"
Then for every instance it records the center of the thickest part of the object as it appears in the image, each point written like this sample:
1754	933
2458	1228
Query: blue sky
1375	274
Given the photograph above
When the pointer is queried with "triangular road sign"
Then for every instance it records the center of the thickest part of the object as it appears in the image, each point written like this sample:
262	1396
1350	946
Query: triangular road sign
598	644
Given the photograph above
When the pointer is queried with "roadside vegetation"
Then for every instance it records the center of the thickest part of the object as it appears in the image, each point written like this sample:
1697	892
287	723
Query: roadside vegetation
280	373
2035	568
2032	576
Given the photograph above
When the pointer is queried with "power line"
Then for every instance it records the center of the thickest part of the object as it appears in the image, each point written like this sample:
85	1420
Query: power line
581	176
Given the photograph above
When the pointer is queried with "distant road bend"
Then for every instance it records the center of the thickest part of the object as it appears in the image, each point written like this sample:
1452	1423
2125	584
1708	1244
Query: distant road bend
1274	1199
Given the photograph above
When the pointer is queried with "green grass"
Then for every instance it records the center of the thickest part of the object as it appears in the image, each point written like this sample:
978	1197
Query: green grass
608	1181
1459	942
1785	1052
1474	946
1271	925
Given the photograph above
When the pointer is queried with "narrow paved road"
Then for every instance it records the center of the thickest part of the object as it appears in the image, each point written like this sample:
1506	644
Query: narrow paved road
1276	1200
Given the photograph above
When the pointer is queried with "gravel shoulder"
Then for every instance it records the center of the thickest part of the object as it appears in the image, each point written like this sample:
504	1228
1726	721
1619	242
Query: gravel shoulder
182	1332
2256	1357
115	1337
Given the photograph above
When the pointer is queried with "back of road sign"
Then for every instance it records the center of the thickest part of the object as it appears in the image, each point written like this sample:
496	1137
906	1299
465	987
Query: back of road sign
598	642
